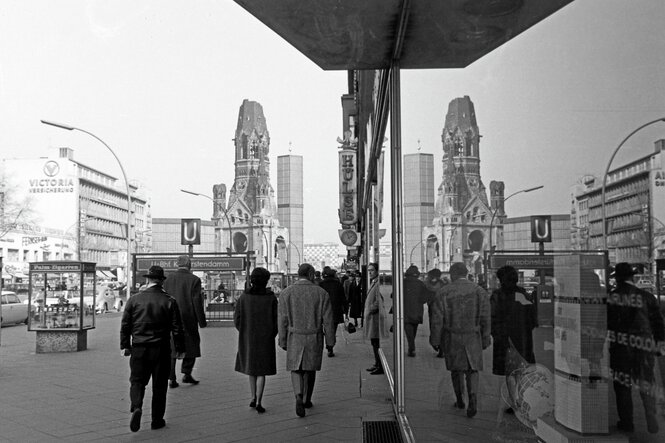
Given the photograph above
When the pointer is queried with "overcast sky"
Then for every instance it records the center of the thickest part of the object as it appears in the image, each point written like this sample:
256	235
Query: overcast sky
162	81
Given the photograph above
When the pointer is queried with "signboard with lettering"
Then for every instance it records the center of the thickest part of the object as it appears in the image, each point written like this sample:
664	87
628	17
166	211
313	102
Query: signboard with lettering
348	187
541	229
198	263
190	231
530	261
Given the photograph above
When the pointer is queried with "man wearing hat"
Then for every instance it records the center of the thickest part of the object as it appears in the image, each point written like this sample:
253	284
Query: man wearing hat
149	321
185	287
461	328
415	296
635	327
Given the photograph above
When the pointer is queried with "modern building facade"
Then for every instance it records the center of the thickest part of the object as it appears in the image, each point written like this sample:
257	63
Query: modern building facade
463	215
76	212
166	236
517	234
290	207
634	210
418	204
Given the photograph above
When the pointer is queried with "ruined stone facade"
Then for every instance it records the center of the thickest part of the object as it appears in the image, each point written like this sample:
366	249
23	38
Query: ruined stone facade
463	214
252	207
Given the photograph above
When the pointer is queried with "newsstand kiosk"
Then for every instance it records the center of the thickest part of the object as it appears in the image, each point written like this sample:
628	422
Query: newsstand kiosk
62	300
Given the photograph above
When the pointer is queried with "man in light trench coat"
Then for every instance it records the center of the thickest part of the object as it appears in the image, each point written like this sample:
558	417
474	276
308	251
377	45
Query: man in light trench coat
460	326
304	319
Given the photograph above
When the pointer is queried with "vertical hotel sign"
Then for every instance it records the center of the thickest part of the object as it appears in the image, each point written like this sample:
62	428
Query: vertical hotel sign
348	186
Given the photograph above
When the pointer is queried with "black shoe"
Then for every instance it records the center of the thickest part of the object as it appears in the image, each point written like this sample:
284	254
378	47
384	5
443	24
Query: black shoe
331	354
260	409
135	421
252	404
308	404
509	411
411	353
377	371
187	378
439	355
300	406
173	384
158	424
459	404
373	368
471	411
625	426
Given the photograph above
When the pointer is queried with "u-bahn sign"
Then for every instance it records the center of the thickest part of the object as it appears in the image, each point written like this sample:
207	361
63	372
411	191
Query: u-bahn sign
541	229
198	263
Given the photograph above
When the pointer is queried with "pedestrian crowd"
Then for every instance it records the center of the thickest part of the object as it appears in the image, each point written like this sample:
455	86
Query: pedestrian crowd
160	326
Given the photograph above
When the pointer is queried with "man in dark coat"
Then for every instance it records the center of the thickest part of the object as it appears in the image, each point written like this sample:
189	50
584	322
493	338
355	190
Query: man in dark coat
415	296
185	287
633	321
304	321
461	326
149	321
338	300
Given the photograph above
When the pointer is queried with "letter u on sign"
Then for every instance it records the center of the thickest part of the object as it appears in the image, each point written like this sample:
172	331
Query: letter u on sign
190	231
541	228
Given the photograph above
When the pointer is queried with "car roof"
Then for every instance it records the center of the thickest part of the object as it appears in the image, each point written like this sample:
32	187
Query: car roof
8	292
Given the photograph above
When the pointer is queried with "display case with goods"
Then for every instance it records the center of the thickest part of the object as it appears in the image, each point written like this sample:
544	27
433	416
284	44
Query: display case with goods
62	304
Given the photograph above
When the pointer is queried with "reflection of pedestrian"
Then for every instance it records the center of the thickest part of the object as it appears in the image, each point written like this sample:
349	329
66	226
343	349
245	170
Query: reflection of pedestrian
415	296
304	319
461	327
255	318
185	287
513	320
338	302
633	321
150	318
375	317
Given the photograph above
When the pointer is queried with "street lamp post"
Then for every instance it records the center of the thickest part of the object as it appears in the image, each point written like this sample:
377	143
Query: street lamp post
607	171
535	188
129	196
413	249
298	251
223	212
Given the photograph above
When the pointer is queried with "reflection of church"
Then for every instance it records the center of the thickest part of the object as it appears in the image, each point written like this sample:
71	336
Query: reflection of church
252	210
460	229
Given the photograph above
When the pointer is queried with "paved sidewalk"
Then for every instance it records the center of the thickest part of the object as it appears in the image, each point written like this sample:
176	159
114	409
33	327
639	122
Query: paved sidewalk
83	396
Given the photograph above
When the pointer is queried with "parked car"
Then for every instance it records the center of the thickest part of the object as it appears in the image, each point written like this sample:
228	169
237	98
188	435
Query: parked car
14	311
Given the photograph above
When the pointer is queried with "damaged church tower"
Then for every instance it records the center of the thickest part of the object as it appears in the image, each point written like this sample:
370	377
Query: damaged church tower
460	229
252	208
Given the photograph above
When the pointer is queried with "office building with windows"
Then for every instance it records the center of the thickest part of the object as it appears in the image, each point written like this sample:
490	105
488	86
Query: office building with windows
418	203
290	206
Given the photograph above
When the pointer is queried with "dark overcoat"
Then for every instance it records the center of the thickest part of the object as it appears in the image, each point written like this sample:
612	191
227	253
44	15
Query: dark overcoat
335	290
511	320
255	318
415	296
185	287
460	324
355	300
304	319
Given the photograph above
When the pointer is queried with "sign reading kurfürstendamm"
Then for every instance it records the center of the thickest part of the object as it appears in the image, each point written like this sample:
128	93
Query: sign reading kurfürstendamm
348	187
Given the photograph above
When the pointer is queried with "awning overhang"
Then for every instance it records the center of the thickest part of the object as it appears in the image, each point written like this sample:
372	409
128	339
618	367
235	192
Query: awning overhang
352	34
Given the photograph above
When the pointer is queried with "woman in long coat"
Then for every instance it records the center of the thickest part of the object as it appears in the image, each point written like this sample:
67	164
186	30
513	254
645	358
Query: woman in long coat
355	301
375	316
255	319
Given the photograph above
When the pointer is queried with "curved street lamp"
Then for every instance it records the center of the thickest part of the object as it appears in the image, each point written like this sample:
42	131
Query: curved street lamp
298	251
226	216
413	249
607	171
535	188
129	196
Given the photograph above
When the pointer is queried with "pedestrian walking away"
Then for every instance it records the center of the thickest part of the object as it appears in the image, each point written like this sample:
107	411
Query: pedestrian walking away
255	318
304	321
185	287
415	296
376	319
150	321
338	302
461	327
355	300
